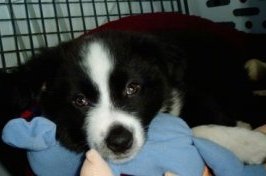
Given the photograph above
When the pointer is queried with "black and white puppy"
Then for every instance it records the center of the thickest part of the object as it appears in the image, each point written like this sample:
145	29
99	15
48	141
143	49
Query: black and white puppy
102	90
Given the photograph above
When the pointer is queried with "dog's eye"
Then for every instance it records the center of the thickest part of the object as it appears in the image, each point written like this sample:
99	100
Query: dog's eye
132	88
81	100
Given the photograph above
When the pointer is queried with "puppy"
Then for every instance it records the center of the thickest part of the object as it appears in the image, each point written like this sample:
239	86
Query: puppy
102	90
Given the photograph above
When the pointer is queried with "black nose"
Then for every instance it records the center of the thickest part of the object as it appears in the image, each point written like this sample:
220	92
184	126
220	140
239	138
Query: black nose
119	139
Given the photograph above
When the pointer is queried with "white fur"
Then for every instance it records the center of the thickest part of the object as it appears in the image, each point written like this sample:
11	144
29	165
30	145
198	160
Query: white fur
99	65
177	104
248	145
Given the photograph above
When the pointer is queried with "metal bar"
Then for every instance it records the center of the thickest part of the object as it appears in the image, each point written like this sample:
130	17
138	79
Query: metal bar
35	25
172	6
57	22
69	19
22	50
186	7
43	24
162	5
12	16
129	7
62	17
61	2
95	13
82	16
179	6
141	6
107	11
118	9
3	60
151	5
48	33
29	29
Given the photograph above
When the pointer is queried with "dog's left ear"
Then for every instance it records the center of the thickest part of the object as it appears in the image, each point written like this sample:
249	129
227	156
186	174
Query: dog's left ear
41	68
172	55
21	87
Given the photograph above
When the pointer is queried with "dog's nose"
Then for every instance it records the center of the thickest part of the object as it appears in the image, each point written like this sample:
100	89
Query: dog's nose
119	139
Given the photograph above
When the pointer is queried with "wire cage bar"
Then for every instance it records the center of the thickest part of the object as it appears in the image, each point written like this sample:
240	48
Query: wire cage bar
26	26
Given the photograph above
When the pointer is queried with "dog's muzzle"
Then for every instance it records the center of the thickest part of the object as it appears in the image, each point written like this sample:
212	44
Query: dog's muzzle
119	139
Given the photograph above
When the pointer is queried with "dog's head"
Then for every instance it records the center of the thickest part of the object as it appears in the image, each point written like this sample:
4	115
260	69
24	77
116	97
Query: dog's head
103	90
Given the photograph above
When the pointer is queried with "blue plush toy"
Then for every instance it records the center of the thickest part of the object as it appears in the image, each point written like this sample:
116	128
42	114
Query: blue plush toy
46	156
170	146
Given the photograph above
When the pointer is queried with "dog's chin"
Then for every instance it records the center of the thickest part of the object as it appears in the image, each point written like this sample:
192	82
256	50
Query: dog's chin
122	157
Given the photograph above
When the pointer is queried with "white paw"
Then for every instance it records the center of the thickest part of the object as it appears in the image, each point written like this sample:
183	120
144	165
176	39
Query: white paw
248	145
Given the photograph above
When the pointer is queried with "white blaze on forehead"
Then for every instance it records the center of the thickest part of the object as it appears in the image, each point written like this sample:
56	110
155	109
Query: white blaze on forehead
99	64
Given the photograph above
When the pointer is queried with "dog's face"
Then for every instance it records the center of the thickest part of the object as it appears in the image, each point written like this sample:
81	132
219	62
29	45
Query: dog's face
104	92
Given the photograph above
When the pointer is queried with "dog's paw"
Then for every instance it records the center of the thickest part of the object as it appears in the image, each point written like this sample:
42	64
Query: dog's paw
248	145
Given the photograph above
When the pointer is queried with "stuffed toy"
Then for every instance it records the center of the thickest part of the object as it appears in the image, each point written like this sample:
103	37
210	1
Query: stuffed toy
170	146
45	155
